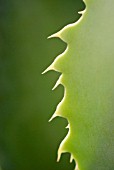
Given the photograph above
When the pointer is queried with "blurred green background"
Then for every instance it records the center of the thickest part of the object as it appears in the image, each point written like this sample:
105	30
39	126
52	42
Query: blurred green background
27	140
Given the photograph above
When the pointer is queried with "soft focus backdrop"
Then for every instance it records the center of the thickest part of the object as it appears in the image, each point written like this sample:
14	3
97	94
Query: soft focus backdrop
27	140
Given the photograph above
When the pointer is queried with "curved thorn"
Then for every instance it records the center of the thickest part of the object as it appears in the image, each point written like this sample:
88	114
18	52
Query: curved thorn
56	35
57	83
68	126
48	69
71	158
53	116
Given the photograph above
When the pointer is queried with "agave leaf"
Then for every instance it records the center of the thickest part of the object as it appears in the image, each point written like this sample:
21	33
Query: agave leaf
87	74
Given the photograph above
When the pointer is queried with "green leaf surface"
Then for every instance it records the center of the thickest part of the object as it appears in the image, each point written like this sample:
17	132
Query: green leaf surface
87	74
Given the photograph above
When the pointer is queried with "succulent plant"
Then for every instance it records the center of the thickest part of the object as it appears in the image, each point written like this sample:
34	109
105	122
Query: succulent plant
87	74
